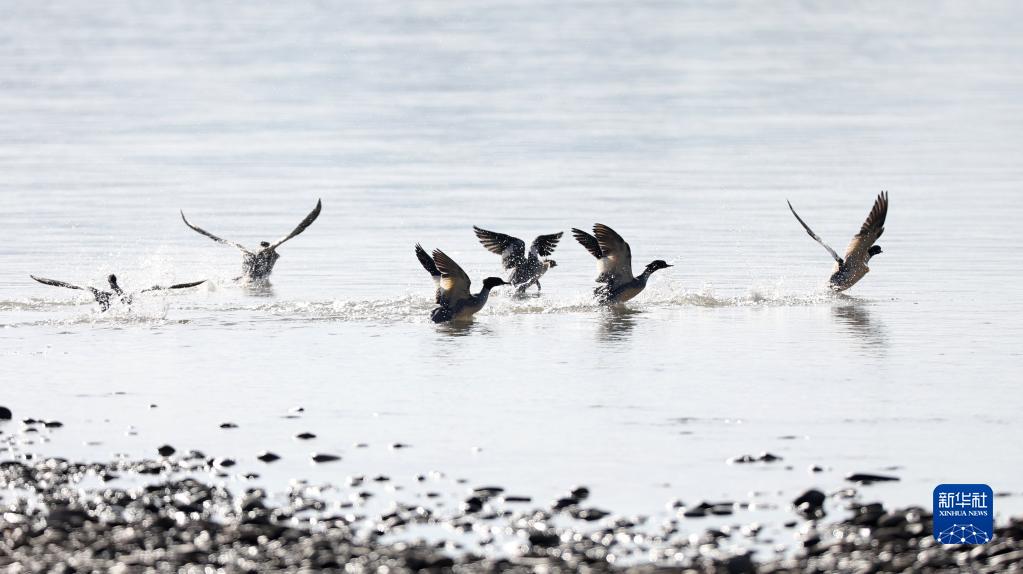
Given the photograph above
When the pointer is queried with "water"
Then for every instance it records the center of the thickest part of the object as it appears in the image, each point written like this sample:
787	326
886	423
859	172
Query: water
684	126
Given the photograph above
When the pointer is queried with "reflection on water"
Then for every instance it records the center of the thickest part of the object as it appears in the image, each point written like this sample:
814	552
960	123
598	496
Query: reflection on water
463	329
258	288
856	317
617	323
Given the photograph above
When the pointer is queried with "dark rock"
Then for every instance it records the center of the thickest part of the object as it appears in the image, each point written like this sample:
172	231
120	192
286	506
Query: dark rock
399	445
305	436
517	499
768	457
321	457
267	456
228	426
867	478
53	424
6	414
580	493
810	504
166	450
544	539
472	504
486	492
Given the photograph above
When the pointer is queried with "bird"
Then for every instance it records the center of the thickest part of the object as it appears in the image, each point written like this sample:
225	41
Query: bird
454	301
257	265
614	264
525	269
853	267
107	298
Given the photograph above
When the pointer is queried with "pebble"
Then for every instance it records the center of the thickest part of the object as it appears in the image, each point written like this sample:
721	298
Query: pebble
305	436
166	450
267	456
321	457
867	478
810	504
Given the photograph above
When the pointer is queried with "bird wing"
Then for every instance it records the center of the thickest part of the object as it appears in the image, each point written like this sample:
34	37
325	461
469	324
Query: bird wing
427	262
588	241
617	259
454	283
870	231
814	235
202	231
511	249
53	282
543	245
309	219
175	286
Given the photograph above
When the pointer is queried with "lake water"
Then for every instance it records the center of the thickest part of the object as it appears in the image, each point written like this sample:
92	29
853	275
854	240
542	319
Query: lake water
685	126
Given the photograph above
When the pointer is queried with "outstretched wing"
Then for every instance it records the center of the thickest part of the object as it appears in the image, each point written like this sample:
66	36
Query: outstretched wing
814	235
617	260
511	249
454	283
55	283
427	262
543	245
309	219
588	241
175	286
202	231
871	229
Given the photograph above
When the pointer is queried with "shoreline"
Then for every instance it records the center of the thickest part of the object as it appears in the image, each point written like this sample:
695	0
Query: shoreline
52	520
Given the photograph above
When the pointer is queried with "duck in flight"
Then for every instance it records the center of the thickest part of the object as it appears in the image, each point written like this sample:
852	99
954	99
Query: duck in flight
257	265
525	269
614	265
851	268
107	298
454	301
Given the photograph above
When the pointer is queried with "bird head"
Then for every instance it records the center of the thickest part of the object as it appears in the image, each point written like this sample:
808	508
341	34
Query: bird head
657	265
491	282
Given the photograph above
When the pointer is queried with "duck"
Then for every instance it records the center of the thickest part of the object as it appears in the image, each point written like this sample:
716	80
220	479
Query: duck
107	298
257	265
454	301
850	269
614	265
524	270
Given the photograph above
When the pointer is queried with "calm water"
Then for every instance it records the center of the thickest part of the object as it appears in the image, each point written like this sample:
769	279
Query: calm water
684	126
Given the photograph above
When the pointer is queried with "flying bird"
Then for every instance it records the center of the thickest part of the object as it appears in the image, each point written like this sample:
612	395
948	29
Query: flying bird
107	298
257	265
454	301
851	268
524	269
614	265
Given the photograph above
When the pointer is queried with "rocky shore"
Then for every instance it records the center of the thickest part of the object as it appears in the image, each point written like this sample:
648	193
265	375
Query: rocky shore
173	518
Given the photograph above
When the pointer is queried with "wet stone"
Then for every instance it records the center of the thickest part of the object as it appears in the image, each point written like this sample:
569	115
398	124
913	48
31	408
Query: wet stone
867	478
810	504
267	456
